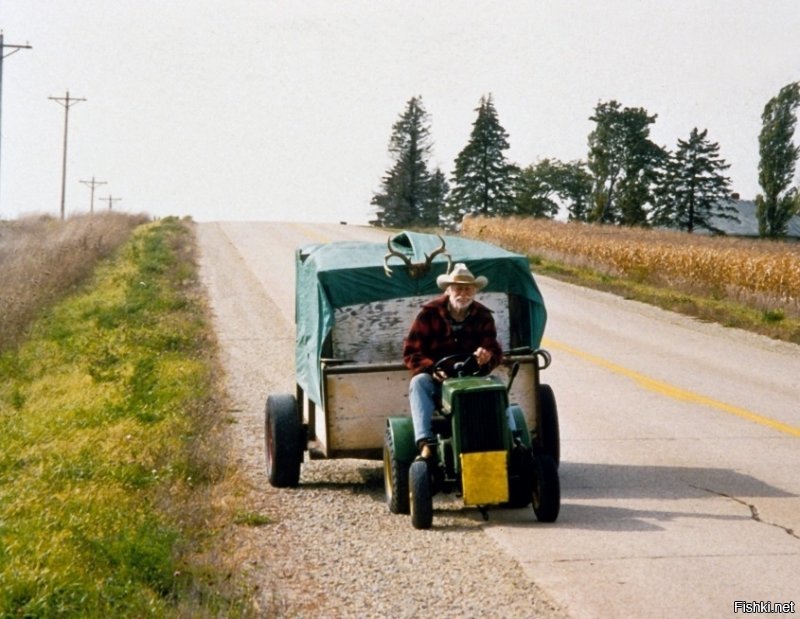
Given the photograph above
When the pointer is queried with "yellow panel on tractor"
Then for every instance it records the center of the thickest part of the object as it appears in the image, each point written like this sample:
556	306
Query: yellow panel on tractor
485	477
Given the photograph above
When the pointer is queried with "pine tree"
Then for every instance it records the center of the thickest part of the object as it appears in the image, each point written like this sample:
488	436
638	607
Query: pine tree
410	195
483	179
776	167
436	198
693	189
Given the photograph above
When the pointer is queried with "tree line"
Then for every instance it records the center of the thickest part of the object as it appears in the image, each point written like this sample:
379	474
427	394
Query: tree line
626	178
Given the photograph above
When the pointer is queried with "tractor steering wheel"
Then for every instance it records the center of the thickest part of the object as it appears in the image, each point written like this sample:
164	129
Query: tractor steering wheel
461	364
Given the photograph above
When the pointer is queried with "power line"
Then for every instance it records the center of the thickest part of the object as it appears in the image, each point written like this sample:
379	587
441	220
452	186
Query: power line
110	200
67	103
14	49
92	183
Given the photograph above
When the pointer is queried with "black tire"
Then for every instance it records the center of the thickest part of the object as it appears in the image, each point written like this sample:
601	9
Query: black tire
547	490
548	439
420	497
283	441
521	477
395	477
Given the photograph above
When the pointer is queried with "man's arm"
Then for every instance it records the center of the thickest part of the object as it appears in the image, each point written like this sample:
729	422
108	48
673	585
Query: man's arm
416	345
489	343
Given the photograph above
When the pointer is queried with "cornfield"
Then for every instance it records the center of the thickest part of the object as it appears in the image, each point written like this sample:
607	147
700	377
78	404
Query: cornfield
763	273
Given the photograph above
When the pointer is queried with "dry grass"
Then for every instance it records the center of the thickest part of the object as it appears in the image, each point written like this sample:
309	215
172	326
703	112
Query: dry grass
763	274
42	258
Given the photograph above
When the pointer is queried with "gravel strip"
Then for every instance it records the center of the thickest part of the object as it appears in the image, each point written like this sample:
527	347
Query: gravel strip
332	548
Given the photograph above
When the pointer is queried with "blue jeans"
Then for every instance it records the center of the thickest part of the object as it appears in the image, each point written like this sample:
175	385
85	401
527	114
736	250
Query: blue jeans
423	392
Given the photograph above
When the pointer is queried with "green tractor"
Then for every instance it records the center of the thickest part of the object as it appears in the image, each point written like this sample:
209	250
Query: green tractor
498	438
484	450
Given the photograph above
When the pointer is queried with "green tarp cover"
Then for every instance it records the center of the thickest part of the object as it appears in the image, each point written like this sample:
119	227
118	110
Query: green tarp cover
335	275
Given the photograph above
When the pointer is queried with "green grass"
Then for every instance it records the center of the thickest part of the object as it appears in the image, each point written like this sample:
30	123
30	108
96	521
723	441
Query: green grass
105	413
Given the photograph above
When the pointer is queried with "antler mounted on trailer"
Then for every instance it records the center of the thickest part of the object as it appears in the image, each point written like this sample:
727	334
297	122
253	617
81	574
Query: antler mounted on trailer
415	269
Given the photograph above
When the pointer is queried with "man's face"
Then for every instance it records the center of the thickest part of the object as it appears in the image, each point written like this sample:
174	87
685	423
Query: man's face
460	295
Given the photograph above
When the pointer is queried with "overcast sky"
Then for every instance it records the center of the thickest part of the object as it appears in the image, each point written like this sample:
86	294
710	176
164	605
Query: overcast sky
281	110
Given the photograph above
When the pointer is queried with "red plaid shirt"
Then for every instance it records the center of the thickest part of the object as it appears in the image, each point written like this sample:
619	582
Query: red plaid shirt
435	335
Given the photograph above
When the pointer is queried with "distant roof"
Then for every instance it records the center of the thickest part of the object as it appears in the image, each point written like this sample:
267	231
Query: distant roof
748	221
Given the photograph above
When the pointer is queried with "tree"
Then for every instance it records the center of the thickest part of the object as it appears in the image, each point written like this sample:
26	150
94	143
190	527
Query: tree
433	207
776	167
534	192
410	194
693	189
483	179
541	190
624	163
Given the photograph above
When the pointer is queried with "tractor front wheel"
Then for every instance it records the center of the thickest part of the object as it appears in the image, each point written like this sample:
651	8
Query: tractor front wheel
420	496
546	490
283	438
395	477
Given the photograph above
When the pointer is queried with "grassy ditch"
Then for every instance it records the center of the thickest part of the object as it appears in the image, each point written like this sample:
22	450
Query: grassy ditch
748	284
110	459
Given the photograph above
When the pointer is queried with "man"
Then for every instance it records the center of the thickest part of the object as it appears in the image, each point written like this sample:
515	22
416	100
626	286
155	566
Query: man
454	323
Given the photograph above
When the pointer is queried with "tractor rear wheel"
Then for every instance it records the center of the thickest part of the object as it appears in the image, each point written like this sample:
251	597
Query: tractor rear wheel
548	439
421	499
395	477
283	438
521	477
546	490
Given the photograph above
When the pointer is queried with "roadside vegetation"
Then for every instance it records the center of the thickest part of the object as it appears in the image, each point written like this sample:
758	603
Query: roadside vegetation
42	258
750	284
114	487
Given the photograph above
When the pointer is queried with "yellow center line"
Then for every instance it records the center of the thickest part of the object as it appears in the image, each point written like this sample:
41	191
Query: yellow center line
311	233
672	391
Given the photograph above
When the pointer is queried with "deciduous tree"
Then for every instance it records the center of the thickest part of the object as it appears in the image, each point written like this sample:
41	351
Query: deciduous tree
776	167
624	163
541	190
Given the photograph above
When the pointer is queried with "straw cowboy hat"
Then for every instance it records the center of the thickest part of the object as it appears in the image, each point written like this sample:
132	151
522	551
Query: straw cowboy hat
461	275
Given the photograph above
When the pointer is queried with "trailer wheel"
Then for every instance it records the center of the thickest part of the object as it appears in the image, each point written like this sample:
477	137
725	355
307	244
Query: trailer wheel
548	439
395	477
546	490
283	434
421	499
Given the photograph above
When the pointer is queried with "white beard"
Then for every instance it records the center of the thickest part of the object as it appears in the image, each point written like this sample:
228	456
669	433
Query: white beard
460	305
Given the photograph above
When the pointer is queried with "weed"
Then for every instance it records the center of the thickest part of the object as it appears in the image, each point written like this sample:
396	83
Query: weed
252	519
773	315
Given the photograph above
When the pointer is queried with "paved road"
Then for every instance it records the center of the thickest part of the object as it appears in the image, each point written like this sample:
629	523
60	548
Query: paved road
680	447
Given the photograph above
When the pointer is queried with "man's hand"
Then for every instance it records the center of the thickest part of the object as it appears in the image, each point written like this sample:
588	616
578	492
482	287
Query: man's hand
482	355
439	376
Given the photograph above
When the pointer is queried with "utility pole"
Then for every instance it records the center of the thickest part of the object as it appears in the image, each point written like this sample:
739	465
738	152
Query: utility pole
92	183
110	201
67	103
14	49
